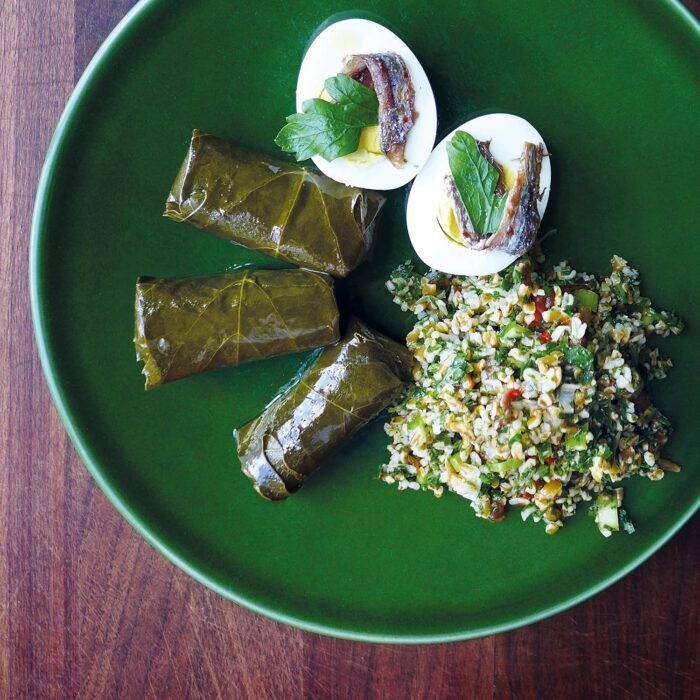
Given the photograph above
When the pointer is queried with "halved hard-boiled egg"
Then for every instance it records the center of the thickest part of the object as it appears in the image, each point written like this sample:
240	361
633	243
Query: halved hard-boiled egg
390	154
496	162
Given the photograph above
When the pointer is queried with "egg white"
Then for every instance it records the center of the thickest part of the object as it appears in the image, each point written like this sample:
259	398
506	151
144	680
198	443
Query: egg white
507	134
324	59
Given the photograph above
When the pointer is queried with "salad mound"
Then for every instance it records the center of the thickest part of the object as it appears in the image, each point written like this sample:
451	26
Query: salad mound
531	390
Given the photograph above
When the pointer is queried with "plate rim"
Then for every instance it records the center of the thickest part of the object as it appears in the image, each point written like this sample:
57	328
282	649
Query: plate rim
129	23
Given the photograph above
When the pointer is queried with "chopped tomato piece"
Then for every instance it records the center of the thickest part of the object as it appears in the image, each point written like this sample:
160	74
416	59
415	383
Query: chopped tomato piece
511	395
539	308
545	337
498	510
541	305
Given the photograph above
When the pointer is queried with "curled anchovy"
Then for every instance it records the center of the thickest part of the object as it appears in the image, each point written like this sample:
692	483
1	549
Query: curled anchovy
521	218
388	76
485	150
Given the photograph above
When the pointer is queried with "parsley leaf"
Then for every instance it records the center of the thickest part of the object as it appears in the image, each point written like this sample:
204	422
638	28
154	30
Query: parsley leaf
330	129
357	100
512	277
476	181
322	129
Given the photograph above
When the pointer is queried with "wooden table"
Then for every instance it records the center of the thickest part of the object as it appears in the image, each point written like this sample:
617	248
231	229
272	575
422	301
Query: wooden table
88	609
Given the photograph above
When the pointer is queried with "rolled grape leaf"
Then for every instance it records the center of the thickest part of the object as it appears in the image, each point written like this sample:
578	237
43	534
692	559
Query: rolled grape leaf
349	384
277	208
191	324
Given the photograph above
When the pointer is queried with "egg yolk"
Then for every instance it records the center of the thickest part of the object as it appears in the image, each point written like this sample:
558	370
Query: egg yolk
448	221
508	176
368	148
369	140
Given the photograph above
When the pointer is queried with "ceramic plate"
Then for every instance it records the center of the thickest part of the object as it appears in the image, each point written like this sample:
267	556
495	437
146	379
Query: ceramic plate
612	87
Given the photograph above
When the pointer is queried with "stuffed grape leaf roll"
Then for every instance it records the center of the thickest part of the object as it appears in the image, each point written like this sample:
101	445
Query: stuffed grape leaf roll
190	324
349	383
277	208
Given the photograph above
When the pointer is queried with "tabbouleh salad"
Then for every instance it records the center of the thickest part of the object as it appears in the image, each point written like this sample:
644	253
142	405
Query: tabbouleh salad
530	391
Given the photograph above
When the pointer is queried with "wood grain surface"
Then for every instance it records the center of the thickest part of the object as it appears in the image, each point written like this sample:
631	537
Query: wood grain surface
89	610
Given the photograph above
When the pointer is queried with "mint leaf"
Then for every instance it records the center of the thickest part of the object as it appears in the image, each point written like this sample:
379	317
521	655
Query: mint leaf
330	129
476	181
357	100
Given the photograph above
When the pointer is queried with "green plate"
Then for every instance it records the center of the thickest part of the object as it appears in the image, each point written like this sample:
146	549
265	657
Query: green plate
613	89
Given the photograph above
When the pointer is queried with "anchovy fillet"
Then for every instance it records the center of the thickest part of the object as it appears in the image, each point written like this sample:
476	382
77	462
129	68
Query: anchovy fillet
388	75
485	150
471	238
521	218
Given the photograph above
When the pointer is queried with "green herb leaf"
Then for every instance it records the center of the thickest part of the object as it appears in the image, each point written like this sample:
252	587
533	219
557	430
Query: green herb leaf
357	100
515	438
460	368
544	450
626	521
577	440
582	357
321	130
512	277
501	354
476	181
330	129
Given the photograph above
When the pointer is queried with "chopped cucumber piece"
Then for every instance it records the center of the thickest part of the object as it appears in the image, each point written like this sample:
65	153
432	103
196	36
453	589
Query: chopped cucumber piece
513	330
577	440
586	298
650	316
504	467
455	462
606	515
418	432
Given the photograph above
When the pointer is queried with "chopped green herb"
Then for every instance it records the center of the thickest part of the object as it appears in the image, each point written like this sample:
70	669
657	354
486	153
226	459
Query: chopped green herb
625	521
501	354
512	277
550	348
582	357
458	369
544	450
577	440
